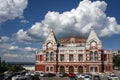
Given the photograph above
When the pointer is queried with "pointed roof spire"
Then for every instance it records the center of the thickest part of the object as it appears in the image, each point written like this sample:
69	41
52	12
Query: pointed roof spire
91	28
51	36
92	35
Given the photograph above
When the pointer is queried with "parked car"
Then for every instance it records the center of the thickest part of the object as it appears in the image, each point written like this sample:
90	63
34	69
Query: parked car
73	78
1	76
90	75
96	77
80	76
87	77
50	74
62	74
36	73
20	77
71	75
42	74
113	77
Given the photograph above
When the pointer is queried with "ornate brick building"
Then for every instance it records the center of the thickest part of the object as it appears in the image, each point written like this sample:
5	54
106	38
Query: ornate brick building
74	54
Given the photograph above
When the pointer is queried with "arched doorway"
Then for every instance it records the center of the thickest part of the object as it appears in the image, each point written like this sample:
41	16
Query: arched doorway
80	69
62	69
71	69
93	69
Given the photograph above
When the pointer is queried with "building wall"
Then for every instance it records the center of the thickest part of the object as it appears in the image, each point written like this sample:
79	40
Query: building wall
74	55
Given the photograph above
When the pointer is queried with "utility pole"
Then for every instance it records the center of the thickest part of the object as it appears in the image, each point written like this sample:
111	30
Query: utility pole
57	51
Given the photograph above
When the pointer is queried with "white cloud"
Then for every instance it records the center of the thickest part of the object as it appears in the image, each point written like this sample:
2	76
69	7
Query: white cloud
10	9
13	47
24	21
10	55
74	22
4	39
13	57
30	49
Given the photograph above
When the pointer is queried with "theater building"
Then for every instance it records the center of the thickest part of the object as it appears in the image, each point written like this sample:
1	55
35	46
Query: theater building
74	54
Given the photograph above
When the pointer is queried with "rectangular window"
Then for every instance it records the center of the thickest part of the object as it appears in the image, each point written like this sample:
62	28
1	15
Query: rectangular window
61	57
40	57
71	58
80	57
105	57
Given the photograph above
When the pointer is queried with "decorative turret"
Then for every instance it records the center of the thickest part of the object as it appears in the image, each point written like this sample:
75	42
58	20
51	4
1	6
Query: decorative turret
50	41
51	37
93	40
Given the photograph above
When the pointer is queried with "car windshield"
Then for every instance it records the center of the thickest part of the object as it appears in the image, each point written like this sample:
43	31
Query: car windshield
86	76
113	75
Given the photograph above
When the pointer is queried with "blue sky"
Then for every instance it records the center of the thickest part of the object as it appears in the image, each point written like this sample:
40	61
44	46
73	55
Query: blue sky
24	24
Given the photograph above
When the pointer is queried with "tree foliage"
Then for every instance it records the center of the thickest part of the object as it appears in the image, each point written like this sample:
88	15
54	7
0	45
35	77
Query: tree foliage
7	67
116	61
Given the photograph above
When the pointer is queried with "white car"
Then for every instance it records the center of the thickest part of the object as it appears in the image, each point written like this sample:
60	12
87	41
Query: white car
113	77
80	76
42	74
87	77
18	77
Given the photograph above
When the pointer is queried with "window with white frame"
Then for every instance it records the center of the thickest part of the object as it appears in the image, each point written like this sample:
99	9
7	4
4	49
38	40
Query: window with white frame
80	57
61	57
71	57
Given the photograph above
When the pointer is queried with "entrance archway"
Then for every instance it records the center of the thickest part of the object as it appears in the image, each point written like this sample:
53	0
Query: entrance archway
93	69
80	69
62	69
71	69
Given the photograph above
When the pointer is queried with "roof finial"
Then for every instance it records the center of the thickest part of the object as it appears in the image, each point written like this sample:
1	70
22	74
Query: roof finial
92	28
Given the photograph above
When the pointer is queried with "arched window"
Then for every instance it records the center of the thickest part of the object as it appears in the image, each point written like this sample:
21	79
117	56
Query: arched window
80	69
91	56
71	69
51	69
96	55
62	69
51	56
47	56
93	69
47	68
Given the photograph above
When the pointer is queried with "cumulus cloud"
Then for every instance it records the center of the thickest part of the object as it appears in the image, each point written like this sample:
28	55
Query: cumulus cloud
30	49
13	53
13	47
10	9
4	39
74	22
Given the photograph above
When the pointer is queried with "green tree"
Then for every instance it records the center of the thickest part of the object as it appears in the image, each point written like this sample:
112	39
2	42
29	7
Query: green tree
3	67
116	61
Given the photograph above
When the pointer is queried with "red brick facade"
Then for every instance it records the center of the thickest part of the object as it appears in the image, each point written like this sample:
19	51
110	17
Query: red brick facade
74	55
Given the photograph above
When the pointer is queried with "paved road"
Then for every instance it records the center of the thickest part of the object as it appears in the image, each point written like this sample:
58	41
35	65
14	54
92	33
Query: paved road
103	77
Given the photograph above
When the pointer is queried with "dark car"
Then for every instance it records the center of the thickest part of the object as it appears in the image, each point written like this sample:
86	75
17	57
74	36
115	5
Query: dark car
96	77
50	74
73	78
1	76
62	74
